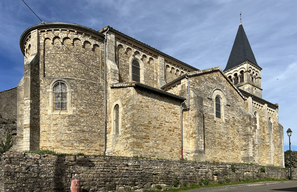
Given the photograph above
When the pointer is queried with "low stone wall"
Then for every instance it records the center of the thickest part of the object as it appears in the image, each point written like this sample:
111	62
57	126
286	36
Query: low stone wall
34	172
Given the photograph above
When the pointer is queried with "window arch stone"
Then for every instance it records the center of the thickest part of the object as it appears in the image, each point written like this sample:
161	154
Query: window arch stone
219	95
135	71
132	68
117	118
218	106
62	87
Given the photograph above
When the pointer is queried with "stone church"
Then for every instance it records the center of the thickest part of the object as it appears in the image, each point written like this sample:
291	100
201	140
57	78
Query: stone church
104	92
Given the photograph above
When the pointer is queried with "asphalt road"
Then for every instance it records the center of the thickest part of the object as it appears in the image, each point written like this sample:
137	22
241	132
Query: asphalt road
272	186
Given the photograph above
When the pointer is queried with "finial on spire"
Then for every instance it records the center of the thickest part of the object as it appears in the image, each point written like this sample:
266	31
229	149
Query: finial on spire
240	18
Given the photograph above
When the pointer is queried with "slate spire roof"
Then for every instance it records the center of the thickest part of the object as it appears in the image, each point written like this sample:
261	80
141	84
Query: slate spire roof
241	50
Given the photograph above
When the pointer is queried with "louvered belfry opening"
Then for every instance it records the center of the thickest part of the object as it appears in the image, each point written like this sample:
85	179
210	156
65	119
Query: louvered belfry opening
135	71
60	91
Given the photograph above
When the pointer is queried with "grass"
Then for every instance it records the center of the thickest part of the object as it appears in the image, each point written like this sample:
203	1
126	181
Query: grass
219	184
42	151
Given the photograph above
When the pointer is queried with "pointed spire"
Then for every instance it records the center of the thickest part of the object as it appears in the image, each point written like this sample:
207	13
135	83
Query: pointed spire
241	50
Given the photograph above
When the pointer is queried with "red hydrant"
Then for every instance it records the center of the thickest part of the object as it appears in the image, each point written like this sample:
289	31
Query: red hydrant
75	186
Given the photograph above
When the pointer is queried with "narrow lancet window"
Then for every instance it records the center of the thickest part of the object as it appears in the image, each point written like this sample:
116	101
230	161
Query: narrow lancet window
60	91
116	119
135	71
218	107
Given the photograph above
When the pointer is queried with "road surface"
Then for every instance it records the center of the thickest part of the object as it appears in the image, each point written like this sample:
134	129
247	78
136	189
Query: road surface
272	186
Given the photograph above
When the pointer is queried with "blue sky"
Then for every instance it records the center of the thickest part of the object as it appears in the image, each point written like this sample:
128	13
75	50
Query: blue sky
198	32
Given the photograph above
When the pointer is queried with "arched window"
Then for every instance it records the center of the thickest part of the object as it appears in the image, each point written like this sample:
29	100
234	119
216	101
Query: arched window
235	79
60	96
116	119
241	76
230	78
218	107
135	71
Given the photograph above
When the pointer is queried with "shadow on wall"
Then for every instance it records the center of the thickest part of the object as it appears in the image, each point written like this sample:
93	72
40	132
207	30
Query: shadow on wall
63	173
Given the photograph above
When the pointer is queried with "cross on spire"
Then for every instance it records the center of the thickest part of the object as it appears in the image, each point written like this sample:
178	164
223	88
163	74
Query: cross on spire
240	18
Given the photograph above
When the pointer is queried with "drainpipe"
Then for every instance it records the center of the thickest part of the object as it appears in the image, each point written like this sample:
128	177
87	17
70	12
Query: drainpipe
181	125
105	93
181	121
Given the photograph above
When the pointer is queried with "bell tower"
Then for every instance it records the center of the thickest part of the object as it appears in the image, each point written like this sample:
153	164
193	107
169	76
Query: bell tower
242	68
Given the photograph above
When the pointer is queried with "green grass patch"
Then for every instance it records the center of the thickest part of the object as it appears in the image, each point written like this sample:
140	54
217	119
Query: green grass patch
159	187
219	184
42	151
140	157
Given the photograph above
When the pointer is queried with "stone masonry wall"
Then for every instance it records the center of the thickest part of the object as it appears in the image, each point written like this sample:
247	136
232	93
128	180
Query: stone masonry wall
148	65
239	136
155	69
34	172
8	104
76	59
157	124
149	124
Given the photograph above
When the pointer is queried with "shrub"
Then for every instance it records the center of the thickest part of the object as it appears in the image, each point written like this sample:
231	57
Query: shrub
239	179
263	169
221	182
233	168
184	184
159	187
247	179
257	175
192	185
7	144
204	181
228	180
80	154
200	183
175	182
